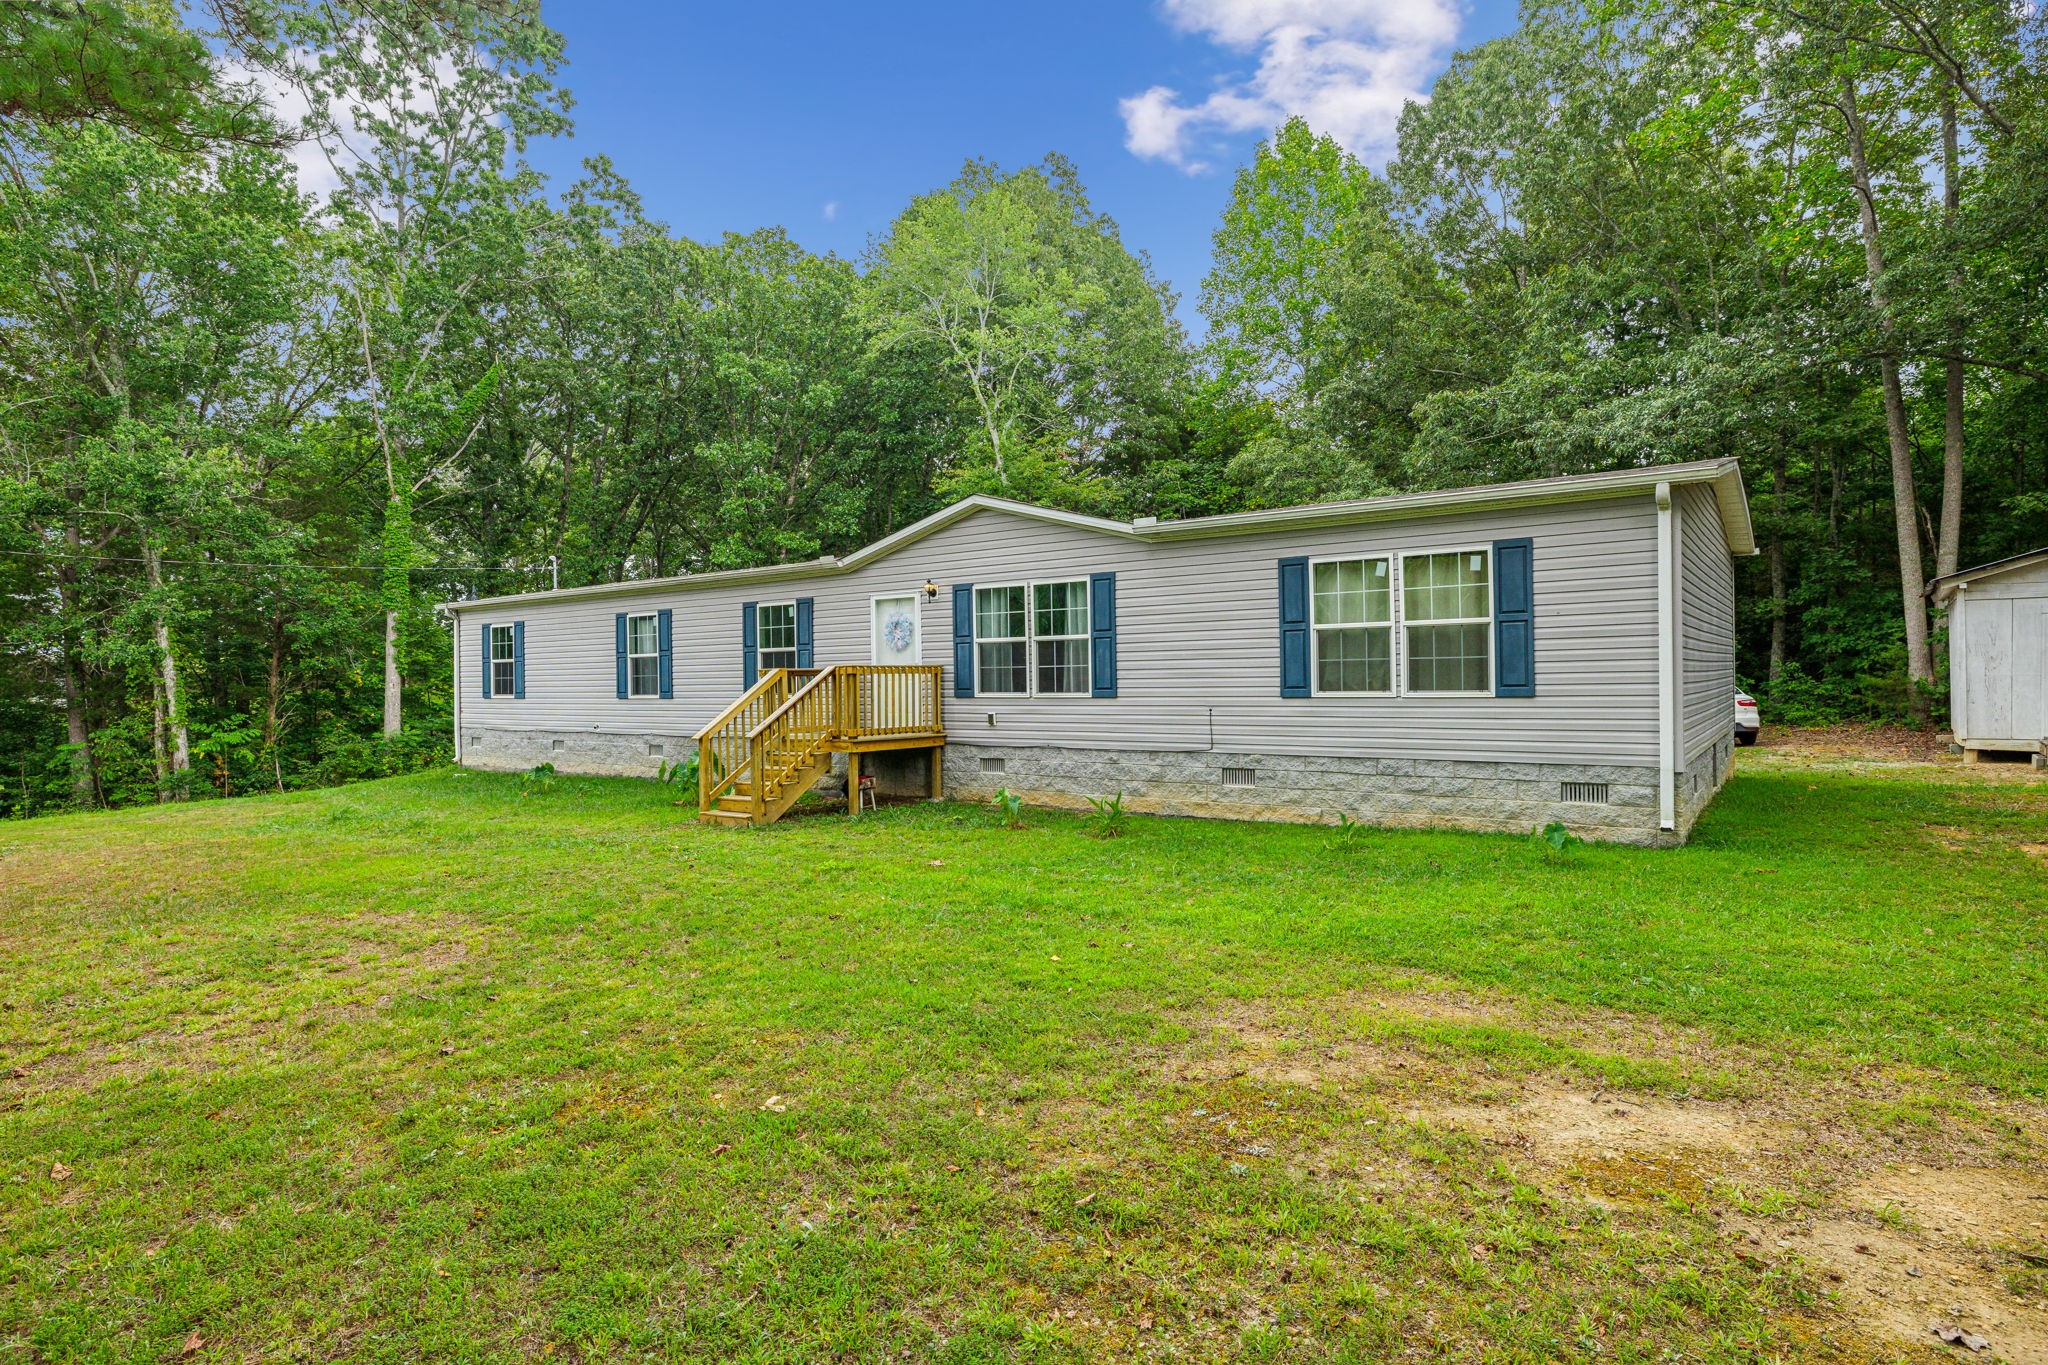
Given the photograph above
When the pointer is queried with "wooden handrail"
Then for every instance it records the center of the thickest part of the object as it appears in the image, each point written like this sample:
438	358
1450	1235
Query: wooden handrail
724	756
774	734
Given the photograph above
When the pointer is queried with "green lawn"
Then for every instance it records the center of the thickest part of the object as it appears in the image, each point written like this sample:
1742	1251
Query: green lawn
439	1068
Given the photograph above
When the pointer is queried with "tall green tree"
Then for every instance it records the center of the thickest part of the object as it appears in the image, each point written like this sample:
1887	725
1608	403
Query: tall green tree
419	116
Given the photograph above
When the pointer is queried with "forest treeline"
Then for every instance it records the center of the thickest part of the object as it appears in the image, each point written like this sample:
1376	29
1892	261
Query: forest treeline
251	435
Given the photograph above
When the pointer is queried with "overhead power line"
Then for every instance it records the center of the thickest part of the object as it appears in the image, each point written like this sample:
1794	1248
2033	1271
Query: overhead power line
257	564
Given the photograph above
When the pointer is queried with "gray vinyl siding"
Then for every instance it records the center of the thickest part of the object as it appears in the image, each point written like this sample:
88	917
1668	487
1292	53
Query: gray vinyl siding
1198	642
1706	625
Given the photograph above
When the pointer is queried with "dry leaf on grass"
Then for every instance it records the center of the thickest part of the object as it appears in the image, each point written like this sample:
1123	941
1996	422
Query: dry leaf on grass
721	1149
774	1104
59	1171
192	1344
1956	1336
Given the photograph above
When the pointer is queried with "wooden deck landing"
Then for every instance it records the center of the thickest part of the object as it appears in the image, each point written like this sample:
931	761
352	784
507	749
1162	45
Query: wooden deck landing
776	742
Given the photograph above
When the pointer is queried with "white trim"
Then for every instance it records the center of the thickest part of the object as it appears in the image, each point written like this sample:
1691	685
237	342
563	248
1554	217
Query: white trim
1724	475
796	645
916	596
1956	582
1392	623
1667	665
1401	617
1030	638
631	617
511	659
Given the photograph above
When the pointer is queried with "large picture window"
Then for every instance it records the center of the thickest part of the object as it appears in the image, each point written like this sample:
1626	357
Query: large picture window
1352	610
643	656
1031	639
1447	609
504	662
777	635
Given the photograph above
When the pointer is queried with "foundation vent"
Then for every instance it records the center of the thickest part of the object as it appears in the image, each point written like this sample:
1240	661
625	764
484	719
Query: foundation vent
1583	793
1240	777
654	751
475	740
994	765
559	745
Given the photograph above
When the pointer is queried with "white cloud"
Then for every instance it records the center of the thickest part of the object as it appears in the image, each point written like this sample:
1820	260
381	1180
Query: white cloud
1347	66
831	210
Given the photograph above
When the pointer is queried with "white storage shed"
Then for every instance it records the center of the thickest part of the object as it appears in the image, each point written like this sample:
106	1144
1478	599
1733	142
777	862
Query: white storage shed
1998	655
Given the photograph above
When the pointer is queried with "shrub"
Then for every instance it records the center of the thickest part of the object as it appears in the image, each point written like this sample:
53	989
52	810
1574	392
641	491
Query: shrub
1110	816
1011	805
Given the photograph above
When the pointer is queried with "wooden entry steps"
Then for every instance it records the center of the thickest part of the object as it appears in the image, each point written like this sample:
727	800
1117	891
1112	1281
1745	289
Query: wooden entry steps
776	742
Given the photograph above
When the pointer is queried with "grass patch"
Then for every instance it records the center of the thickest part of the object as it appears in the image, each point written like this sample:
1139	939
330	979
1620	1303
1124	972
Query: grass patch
452	1066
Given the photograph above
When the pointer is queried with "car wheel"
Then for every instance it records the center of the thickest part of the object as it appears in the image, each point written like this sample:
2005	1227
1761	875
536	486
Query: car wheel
1746	738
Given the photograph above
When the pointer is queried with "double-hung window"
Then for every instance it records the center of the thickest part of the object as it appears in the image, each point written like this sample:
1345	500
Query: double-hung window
777	626
1059	637
1352	606
1402	624
1447	611
1031	639
643	656
504	662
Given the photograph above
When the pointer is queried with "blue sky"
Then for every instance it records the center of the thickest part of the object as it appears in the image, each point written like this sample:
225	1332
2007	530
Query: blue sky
826	118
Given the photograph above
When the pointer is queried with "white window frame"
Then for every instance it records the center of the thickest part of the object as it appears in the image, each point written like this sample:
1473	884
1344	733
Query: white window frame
1393	624
1401	616
632	679
1397	571
1031	638
511	661
795	647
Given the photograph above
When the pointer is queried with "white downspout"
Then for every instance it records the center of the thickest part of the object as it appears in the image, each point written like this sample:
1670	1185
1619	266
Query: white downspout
455	667
1667	667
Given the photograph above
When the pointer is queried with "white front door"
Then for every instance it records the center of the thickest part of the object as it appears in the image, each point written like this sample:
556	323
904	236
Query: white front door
897	637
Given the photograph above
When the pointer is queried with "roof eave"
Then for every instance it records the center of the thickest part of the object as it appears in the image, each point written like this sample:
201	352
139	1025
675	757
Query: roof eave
1724	475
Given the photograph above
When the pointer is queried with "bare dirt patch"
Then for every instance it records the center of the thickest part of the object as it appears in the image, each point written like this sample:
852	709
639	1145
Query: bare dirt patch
1899	1227
1869	743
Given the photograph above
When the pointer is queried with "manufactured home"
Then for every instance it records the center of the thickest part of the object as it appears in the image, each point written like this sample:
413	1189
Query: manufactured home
1998	656
1487	658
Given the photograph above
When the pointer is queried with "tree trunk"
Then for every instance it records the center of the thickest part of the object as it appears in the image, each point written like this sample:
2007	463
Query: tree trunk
156	741
273	696
1948	543
77	721
397	587
174	711
1905	500
1777	561
393	714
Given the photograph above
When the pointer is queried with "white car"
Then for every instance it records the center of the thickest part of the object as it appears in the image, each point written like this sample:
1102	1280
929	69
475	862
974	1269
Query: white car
1747	722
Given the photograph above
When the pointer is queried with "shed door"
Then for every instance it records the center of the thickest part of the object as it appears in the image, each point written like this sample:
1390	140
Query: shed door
1988	699
2006	682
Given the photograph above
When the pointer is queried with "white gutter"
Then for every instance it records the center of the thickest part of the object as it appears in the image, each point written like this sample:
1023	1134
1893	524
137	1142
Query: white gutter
1667	665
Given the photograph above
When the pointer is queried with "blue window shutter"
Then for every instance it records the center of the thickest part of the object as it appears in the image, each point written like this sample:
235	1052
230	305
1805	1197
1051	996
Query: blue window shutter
803	632
963	639
1102	634
487	658
1514	618
1294	627
519	658
667	625
620	623
750	645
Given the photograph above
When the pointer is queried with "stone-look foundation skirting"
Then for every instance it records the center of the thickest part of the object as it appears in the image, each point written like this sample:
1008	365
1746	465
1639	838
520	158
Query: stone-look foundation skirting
573	751
1515	798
